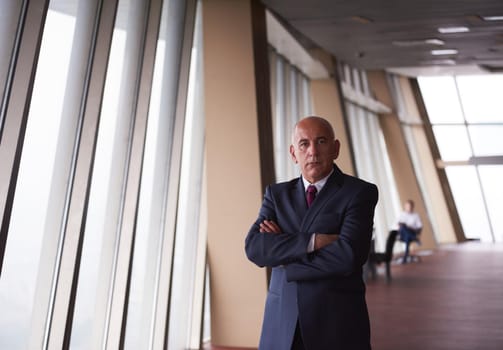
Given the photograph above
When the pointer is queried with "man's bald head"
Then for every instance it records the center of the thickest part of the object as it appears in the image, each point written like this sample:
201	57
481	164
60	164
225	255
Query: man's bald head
314	147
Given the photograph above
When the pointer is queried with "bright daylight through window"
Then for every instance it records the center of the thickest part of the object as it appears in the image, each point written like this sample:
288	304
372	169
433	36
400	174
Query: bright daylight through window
468	111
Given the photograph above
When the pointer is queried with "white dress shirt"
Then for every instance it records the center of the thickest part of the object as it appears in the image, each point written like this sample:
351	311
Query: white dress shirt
411	220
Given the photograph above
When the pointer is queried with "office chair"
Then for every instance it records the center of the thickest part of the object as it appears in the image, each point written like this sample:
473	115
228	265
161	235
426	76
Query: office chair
376	258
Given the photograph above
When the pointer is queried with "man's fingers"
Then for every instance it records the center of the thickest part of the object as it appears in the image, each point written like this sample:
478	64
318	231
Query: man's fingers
264	227
274	226
269	227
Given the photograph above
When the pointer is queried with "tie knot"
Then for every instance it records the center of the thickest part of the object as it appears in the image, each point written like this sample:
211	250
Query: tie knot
311	189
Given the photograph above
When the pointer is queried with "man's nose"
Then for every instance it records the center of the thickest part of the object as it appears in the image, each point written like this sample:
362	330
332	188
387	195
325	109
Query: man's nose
313	149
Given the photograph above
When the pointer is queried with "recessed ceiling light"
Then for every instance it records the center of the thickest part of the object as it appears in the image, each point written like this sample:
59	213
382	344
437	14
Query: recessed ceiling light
444	52
450	30
492	18
408	43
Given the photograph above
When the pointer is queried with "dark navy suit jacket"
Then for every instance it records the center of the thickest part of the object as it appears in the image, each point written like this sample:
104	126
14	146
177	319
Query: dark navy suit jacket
324	290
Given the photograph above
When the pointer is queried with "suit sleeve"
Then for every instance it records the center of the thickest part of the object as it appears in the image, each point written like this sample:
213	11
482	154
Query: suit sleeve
273	249
346	255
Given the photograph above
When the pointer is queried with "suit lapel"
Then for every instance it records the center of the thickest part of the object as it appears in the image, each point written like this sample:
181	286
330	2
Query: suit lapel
298	199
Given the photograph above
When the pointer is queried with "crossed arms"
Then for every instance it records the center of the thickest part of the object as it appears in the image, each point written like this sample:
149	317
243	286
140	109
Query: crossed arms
335	254
320	239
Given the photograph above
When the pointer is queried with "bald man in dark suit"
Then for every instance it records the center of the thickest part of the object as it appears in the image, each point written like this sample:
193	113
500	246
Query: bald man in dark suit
315	232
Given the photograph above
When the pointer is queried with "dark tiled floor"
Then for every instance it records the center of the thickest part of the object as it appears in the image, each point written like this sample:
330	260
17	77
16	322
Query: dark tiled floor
452	299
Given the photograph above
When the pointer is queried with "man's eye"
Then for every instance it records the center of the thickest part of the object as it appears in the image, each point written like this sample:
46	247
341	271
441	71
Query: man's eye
322	141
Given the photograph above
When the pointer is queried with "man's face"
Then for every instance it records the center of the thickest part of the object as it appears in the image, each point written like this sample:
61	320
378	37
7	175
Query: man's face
409	207
314	148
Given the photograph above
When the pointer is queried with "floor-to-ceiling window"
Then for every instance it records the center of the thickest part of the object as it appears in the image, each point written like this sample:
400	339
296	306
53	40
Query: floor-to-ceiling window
466	114
413	132
370	154
101	183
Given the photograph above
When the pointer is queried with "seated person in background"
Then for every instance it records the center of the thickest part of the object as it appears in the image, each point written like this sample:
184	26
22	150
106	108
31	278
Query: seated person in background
409	226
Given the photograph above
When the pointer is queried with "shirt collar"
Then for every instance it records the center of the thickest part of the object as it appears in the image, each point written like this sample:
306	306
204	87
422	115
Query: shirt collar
318	184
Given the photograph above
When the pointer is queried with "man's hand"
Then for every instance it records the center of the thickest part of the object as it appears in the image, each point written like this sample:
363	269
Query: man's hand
323	239
269	226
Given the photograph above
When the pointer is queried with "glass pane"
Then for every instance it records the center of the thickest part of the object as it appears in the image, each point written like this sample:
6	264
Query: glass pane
481	97
486	140
469	202
491	177
280	123
441	99
101	235
452	142
185	318
26	237
148	240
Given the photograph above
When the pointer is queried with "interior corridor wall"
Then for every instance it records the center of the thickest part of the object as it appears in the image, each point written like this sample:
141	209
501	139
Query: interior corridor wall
234	194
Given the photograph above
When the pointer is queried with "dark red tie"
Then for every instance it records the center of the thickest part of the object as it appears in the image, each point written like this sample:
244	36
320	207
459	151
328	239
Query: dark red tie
311	194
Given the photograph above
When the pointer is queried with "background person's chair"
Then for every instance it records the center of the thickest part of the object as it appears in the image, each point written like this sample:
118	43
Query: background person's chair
376	258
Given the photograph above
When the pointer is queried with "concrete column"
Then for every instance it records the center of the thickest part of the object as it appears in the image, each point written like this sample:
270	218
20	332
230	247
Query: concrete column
238	288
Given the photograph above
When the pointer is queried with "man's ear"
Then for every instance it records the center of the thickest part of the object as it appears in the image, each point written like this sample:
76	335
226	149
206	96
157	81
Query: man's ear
292	153
337	148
